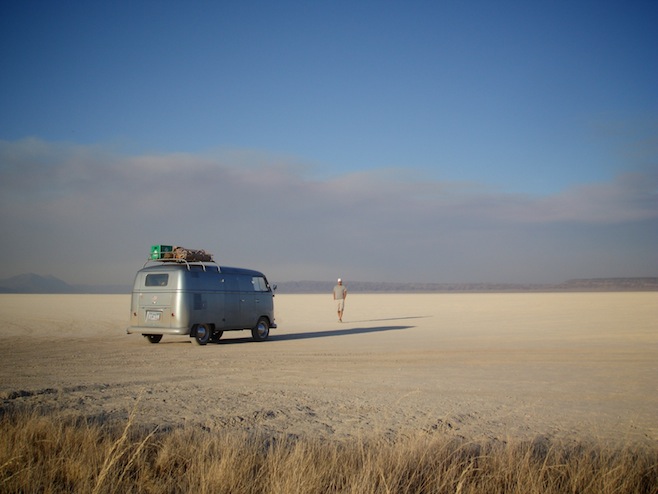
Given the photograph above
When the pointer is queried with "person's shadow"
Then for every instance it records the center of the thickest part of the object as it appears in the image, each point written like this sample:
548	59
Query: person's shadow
389	319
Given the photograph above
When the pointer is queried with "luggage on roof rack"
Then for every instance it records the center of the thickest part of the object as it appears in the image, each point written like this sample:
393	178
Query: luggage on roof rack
173	253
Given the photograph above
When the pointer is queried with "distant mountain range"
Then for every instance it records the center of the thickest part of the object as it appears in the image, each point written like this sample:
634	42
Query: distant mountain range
576	285
34	283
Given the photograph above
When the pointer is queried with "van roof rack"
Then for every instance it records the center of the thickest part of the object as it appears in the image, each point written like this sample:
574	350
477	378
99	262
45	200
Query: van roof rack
188	264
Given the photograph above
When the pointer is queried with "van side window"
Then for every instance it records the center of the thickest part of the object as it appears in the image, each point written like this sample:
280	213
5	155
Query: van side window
230	283
157	279
260	285
245	283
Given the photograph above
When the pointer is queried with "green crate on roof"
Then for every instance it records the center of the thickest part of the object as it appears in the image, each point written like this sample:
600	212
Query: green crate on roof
161	251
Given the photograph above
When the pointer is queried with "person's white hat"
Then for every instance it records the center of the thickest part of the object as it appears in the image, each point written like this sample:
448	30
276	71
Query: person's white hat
339	280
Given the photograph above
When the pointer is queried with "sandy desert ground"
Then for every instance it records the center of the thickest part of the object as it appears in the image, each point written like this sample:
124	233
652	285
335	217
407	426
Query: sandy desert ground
478	366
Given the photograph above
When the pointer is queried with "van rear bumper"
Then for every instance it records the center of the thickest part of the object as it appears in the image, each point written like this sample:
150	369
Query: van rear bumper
151	330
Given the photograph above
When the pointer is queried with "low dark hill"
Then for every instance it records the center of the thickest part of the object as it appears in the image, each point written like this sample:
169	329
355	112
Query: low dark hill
34	283
576	285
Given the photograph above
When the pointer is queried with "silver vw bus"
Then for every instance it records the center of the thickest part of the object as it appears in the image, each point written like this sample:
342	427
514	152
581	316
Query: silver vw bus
200	299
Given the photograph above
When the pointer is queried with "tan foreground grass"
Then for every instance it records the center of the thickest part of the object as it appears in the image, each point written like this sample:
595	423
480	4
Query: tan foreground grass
40	454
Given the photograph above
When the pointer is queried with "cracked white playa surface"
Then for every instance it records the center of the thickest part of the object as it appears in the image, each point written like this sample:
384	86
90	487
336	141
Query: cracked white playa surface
498	366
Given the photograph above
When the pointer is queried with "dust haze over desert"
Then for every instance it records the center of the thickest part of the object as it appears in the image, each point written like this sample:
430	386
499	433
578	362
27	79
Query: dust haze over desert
571	366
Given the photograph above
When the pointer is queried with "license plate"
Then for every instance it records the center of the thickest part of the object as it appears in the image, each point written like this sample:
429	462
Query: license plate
153	315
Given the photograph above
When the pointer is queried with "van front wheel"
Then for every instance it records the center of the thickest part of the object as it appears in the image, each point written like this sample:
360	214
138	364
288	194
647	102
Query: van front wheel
202	334
261	331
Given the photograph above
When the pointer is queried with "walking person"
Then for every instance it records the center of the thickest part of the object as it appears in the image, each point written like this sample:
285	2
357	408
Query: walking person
340	294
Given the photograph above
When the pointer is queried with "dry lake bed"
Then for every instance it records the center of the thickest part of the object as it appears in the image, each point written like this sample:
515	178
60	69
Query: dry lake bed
477	366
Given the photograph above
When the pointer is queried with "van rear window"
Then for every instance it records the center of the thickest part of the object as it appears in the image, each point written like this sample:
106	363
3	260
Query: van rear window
157	279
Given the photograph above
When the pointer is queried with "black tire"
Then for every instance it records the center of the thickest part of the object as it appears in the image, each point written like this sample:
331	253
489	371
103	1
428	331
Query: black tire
202	334
153	338
261	330
216	336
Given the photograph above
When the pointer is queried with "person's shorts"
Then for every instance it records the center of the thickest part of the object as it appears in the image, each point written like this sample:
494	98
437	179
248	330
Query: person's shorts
340	303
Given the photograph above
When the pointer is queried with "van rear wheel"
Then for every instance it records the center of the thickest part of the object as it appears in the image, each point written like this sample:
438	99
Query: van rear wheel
216	336
261	331
202	334
153	338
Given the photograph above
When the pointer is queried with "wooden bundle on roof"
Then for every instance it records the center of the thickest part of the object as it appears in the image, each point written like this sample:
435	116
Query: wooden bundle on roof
192	255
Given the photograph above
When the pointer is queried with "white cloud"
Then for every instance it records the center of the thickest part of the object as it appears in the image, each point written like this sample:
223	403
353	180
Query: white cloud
99	211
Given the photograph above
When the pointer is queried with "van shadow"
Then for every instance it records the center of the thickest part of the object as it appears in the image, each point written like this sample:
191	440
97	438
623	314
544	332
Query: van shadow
335	332
319	334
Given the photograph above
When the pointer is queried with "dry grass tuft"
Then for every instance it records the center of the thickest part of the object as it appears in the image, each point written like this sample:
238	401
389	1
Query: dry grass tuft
39	454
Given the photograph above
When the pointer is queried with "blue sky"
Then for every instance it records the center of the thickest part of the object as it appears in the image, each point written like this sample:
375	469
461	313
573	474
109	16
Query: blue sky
402	141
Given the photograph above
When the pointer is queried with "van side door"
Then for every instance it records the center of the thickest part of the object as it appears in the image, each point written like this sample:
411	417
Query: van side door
232	306
248	311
